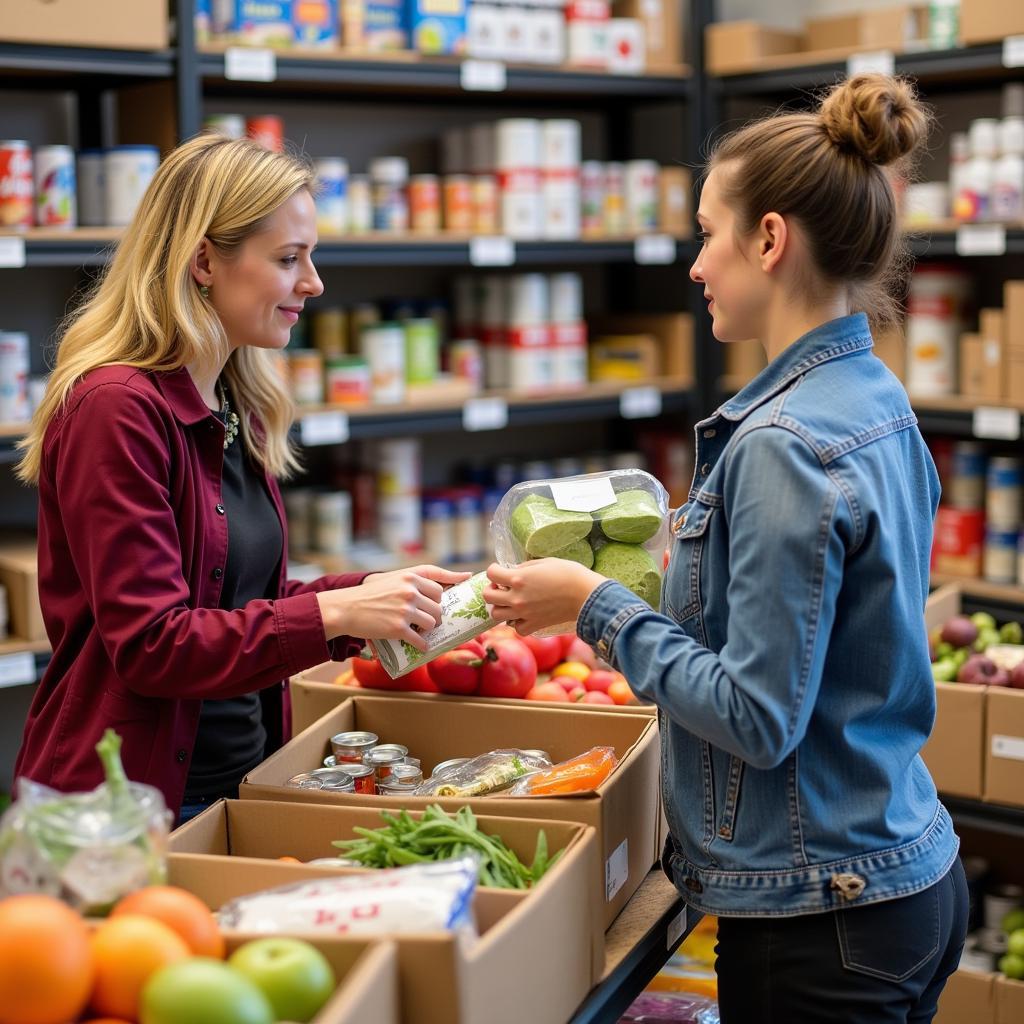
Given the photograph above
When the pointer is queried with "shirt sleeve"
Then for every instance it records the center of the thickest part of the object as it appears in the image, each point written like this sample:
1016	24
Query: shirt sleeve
786	551
341	647
112	467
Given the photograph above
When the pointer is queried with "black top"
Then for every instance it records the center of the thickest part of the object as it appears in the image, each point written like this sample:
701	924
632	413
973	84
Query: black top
231	735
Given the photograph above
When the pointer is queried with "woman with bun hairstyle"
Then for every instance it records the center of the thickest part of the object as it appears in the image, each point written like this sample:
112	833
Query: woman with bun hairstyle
163	573
789	660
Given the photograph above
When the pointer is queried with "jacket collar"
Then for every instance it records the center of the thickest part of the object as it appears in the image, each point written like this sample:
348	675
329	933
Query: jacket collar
831	340
182	396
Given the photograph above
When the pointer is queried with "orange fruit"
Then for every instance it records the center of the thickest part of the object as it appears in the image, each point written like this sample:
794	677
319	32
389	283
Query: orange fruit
548	691
186	913
575	669
620	692
127	950
46	967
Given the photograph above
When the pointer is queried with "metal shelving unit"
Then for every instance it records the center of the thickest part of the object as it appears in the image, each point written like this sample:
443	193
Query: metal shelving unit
61	66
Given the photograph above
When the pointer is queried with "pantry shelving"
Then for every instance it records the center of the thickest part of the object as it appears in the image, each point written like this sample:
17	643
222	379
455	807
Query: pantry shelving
62	66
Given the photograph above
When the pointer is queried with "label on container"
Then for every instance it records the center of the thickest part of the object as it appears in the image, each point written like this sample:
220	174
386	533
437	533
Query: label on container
996	423
492	251
485	414
12	251
616	870
653	250
324	428
249	64
1009	747
582	495
882	62
17	669
676	928
980	240
482	76
1013	52
639	403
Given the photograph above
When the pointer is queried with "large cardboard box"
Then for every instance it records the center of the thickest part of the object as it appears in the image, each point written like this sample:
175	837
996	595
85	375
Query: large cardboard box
886	28
673	333
732	47
744	360
968	998
986	21
891	348
981	369
623	810
1013	314
663	29
20	578
533	961
1004	746
675	200
122	24
1014	373
1009	1001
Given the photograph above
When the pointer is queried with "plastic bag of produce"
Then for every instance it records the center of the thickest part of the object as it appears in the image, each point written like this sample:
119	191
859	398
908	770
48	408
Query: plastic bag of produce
88	849
394	901
487	773
580	774
615	523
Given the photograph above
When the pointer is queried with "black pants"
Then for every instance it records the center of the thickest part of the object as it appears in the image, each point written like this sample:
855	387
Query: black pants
884	962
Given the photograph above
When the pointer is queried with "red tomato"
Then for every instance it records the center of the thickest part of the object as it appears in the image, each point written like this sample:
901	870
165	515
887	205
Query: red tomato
567	640
457	671
416	681
370	672
510	669
596	697
600	679
547	650
548	691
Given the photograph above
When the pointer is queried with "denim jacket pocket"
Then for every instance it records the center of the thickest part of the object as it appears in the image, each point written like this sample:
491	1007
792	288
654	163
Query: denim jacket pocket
727	823
682	587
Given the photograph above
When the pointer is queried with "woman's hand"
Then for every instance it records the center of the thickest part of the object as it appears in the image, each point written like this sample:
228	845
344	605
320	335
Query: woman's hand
398	605
540	593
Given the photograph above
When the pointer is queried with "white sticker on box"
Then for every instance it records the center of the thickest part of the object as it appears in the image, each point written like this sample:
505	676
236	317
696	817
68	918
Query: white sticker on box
654	250
639	403
485	414
996	423
676	927
1010	747
324	428
583	495
249	64
12	251
492	251
17	669
482	76
616	871
980	240
882	62
1013	52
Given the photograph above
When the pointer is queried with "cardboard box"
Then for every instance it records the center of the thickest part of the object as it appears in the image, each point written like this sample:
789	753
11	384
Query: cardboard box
744	360
987	21
672	331
959	541
1014	373
625	357
546	936
887	28
623	810
891	348
663	30
675	191
981	367
968	998
731	47
1004	747
111	24
1013	315
1009	1001
19	575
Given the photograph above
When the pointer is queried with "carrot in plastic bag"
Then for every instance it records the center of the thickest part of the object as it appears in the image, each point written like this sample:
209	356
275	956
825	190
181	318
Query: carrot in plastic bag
577	775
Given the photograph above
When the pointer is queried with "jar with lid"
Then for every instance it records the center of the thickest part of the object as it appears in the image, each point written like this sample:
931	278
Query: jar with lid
389	177
1008	173
973	202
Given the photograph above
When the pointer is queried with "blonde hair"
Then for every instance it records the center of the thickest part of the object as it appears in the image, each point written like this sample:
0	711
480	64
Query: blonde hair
147	311
828	171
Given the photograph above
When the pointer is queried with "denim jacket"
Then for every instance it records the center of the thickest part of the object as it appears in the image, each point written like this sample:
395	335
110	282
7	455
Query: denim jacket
789	662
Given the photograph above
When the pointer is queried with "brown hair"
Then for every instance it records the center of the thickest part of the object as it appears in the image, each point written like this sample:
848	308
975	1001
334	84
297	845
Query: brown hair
825	169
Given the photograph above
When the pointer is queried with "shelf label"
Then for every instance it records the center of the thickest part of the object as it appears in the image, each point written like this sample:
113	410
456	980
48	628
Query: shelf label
980	240
249	64
492	251
676	927
485	414
650	250
583	495
882	62
17	669
483	76
1010	747
996	423
12	251
1013	52
329	427
616	870
639	403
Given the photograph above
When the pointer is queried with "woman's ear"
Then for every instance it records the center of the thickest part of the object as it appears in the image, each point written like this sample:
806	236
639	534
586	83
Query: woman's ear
773	237
202	272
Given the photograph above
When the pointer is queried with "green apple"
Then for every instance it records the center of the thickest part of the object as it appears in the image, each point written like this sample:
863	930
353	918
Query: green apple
292	974
202	990
1015	944
1013	920
1012	966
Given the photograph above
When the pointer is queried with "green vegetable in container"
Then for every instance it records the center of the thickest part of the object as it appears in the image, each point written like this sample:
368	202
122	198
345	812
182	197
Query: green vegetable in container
578	551
632	566
541	528
632	519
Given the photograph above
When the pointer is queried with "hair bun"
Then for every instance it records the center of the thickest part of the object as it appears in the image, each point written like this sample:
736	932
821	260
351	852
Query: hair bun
876	116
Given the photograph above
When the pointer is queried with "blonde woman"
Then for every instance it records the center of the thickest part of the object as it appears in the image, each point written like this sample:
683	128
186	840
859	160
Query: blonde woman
162	537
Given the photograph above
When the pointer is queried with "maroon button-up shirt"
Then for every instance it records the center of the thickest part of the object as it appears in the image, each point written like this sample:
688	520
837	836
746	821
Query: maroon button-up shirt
132	549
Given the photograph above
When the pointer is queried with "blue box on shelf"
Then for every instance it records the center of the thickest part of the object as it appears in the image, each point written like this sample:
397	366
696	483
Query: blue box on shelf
437	26
315	23
264	22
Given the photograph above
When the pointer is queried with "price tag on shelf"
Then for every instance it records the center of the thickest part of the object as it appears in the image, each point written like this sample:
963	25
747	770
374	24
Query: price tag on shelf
17	669
12	251
980	240
676	927
329	427
616	870
882	62
483	76
996	423
492	251
485	414
639	403
249	64
649	250
1013	52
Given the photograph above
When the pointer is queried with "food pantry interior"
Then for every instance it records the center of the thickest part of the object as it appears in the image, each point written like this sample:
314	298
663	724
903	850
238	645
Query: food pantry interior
505	210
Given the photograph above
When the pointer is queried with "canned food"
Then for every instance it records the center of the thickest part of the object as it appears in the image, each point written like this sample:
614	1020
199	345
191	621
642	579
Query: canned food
438	527
331	199
347	380
335	780
128	170
999	559
385	758
333	516
329	331
330	761
425	203
15	184
458	203
14	367
466	361
614	199
306	367
592	198
448	766
360	205
55	186
352	747
394	787
304	780
407	773
231	125
422	351
298	506
383	347
414	761
390	176
364	778
1003	493
486	204
268	131
92	201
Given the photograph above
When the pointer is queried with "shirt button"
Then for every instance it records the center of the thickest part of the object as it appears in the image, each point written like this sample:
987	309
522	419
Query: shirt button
602	647
710	433
181	755
219	508
218	573
705	469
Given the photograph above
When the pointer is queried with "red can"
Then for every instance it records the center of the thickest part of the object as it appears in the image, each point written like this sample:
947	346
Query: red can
363	776
267	130
16	188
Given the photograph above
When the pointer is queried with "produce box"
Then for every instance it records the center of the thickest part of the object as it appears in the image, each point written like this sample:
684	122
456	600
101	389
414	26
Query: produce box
545	941
19	575
968	998
1009	1001
744	360
987	21
1004	747
887	28
121	24
623	810
732	47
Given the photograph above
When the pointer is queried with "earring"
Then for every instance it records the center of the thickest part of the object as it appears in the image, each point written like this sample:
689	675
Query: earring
204	290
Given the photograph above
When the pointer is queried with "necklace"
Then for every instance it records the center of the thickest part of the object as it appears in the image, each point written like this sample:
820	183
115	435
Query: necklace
231	422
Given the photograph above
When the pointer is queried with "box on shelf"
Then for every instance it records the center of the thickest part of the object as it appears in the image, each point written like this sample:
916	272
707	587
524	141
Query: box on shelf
735	46
627	53
118	24
373	25
1013	314
891	348
437	26
959	541
20	577
586	26
885	28
624	357
623	809
1009	1001
315	23
744	359
1004	746
1015	373
968	998
662	25
675	192
673	333
981	370
987	21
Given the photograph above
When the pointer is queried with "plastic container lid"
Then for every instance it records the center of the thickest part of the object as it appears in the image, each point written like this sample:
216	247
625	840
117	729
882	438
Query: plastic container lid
390	170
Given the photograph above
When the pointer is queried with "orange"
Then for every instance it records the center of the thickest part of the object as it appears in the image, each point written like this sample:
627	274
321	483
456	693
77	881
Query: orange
46	968
187	914
620	692
575	669
127	950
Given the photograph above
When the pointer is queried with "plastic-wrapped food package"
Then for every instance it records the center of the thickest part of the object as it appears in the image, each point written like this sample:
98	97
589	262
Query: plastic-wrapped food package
394	901
487	773
615	523
580	774
671	1008
88	849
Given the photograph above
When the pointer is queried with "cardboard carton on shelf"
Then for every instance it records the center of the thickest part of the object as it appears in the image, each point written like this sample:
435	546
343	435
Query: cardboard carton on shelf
891	348
663	31
1013	314
19	576
744	360
885	28
675	199
981	369
988	21
546	936
672	332
735	46
623	809
1004	746
1009	1001
968	998
118	24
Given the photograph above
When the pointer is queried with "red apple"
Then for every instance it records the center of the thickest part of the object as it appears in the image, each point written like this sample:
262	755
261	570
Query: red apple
1017	677
596	697
576	693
